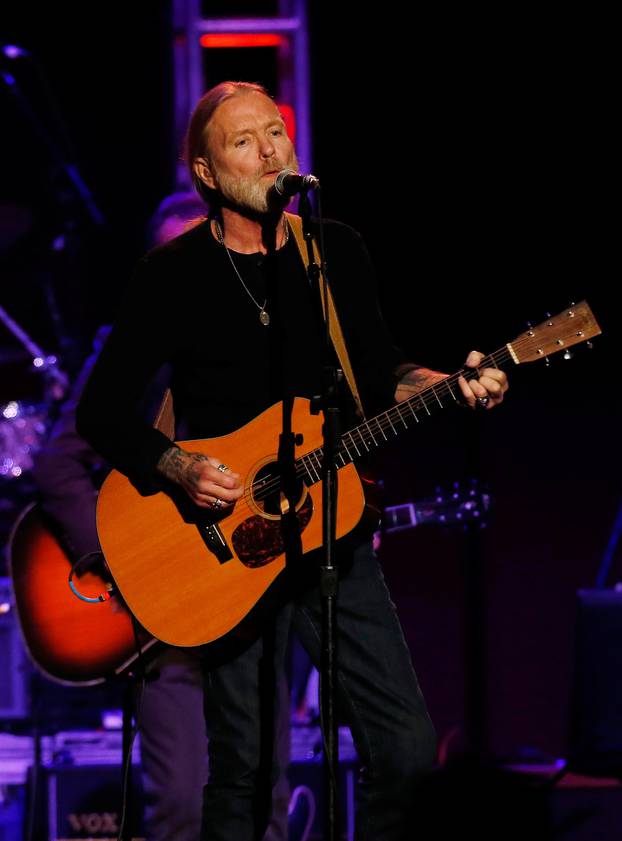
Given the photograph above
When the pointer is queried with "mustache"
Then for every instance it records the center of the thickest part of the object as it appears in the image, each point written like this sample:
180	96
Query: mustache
273	165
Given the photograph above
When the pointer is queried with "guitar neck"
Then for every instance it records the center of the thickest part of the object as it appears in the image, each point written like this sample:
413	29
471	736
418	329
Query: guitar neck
386	426
558	333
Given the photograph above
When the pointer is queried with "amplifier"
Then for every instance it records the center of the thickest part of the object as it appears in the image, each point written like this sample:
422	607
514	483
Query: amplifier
306	777
307	799
85	803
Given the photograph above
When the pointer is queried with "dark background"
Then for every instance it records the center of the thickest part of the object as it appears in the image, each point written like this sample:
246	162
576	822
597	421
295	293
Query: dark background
473	150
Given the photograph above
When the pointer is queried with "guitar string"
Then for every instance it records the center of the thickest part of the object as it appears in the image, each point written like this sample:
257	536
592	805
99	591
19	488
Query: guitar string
384	422
265	488
261	490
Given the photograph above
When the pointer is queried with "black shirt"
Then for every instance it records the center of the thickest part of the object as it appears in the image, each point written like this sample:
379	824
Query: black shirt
187	307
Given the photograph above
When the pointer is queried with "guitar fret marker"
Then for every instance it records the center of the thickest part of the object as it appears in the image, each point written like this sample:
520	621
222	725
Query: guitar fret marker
363	442
410	406
372	434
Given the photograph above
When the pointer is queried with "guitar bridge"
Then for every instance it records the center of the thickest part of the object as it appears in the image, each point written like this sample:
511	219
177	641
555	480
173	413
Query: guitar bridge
213	538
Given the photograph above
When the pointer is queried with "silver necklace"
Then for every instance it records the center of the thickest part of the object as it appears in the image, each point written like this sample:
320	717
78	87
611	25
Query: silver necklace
264	316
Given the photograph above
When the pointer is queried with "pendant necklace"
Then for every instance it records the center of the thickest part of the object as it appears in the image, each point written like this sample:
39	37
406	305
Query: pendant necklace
264	316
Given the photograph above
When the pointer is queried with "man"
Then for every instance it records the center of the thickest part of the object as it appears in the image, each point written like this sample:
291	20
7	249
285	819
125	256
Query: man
229	306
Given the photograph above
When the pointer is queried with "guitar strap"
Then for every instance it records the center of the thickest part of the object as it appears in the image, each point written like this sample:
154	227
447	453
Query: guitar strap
336	334
165	417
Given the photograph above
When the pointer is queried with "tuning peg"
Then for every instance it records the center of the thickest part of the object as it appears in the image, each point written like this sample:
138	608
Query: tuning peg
567	355
547	314
547	362
590	345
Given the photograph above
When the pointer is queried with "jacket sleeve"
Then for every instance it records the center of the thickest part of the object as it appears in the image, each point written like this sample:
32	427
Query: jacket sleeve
141	341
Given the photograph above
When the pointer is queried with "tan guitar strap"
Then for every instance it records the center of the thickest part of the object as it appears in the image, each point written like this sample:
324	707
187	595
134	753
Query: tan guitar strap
165	418
336	334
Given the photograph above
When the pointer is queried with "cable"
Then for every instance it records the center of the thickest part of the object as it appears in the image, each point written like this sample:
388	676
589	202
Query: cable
103	597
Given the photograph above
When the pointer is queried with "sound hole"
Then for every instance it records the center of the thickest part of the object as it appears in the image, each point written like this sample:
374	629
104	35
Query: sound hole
258	540
267	490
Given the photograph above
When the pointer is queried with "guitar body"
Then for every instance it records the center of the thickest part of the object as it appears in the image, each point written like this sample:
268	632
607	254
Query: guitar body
181	590
69	640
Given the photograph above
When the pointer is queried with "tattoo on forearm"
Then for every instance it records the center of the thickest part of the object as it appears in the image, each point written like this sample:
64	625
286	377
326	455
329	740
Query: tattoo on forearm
170	462
417	379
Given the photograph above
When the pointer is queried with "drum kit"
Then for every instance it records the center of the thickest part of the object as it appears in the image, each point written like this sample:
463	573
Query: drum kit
24	423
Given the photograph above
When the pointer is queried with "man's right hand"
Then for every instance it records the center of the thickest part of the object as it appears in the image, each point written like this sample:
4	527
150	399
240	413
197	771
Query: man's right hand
208	482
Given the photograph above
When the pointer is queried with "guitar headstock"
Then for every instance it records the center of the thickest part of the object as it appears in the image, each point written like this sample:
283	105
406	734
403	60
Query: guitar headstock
458	505
559	332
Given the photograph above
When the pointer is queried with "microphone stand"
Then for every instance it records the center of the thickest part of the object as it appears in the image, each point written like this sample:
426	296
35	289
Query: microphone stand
327	402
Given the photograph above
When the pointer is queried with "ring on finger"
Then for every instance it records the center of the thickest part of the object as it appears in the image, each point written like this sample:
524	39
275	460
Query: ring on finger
222	467
483	401
217	503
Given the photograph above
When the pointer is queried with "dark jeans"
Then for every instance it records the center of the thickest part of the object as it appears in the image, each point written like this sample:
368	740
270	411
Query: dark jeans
378	692
173	746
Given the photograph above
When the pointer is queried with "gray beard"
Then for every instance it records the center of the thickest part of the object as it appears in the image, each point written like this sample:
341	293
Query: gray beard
250	193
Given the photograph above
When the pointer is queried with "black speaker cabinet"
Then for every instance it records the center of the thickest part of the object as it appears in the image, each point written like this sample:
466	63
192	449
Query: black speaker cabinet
84	802
595	737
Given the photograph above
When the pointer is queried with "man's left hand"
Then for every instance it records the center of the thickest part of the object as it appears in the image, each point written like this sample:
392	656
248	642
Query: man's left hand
487	390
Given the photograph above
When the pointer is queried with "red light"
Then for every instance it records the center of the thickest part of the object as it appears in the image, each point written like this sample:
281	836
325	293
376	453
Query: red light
289	118
252	39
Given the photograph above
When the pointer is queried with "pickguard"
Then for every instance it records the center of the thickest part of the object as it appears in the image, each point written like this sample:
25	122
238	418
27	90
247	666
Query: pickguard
258	540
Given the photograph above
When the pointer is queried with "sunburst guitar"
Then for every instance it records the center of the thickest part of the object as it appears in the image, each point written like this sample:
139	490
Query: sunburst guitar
69	640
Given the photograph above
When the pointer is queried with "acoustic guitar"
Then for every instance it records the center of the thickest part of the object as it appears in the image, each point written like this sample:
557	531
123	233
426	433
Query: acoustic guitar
191	576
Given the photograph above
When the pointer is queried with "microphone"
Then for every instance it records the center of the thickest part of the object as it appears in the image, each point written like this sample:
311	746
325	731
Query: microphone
288	183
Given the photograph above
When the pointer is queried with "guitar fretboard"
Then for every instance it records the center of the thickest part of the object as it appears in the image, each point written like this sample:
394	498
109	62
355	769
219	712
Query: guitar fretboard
386	426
